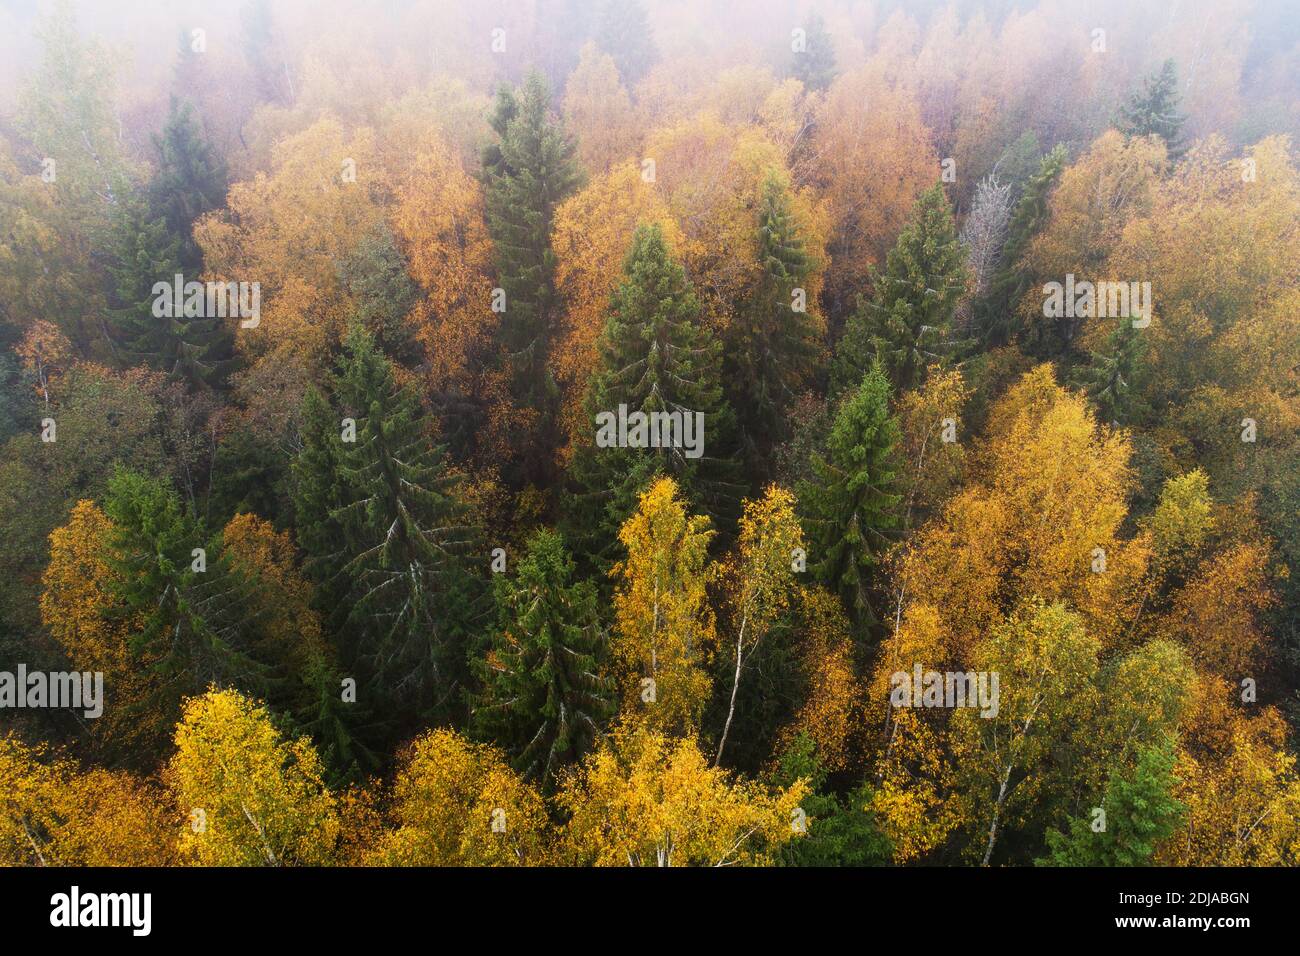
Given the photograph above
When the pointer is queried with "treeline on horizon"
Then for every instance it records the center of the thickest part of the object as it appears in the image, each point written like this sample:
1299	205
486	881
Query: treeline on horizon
364	587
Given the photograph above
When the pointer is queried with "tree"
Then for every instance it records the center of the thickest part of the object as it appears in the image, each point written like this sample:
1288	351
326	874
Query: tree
1154	111
189	183
849	504
663	626
759	580
195	349
841	830
984	232
656	359
594	229
54	814
1140	812
1089	211
908	320
869	202
545	695
774	340
197	615
1047	664
995	310
391	535
1113	379
252	797
458	803
814	64
596	105
528	173
645	799
623	32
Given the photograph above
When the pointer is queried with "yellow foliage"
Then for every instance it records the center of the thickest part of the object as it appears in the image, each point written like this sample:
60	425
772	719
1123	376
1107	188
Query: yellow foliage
645	799
664	629
458	803
251	797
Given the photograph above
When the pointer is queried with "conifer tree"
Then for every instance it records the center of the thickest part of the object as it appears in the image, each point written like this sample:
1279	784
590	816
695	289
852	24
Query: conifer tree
196	628
849	505
907	321
192	348
544	695
393	538
772	342
154	242
190	181
655	357
623	31
1154	111
814	64
528	174
995	314
1113	377
1140	811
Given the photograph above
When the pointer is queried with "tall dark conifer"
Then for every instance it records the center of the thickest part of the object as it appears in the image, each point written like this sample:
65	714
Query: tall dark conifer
907	322
655	357
772	342
528	173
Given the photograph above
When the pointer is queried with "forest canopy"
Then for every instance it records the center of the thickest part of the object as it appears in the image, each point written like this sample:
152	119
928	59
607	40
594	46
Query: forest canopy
642	433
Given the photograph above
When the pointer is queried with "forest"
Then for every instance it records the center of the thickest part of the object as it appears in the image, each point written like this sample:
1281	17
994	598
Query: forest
795	433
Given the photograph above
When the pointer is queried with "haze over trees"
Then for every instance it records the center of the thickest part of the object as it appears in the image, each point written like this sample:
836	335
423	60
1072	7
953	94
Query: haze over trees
368	584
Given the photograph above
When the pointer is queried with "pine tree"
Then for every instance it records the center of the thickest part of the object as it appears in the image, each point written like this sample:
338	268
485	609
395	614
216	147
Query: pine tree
190	181
392	539
1113	378
814	65
1140	812
1154	111
907	321
849	506
772	343
528	173
544	695
623	31
995	314
655	356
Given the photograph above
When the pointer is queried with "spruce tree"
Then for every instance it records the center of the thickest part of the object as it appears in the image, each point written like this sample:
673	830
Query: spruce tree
655	356
190	181
1140	813
995	313
153	240
849	506
528	174
623	31
544	694
194	349
1154	110
191	606
1113	377
814	65
772	343
907	322
393	536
